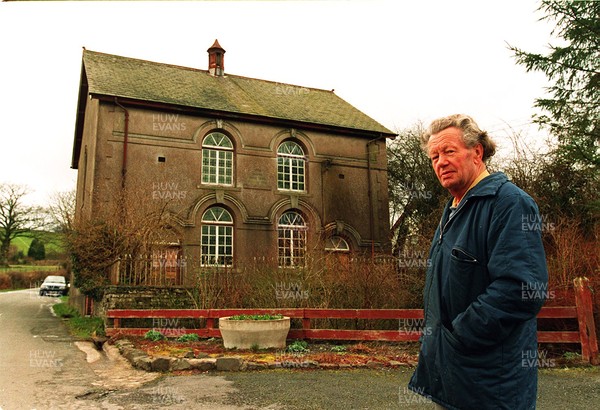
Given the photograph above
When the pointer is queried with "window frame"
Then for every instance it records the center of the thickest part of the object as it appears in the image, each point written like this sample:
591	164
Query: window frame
222	155
335	241
221	231
291	167
291	240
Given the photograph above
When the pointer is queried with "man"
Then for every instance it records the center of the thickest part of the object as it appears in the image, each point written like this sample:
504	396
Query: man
479	316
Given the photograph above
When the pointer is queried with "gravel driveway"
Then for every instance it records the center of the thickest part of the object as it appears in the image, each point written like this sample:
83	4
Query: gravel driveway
562	389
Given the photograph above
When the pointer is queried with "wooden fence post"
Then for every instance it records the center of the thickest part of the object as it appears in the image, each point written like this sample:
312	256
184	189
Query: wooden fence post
305	323
210	324
585	317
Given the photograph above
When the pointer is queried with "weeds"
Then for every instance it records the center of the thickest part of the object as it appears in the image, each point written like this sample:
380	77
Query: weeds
64	310
154	335
298	346
80	327
189	337
339	349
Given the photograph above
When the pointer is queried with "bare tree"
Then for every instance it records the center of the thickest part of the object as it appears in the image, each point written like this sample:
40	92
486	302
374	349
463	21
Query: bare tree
62	211
416	197
131	223
16	218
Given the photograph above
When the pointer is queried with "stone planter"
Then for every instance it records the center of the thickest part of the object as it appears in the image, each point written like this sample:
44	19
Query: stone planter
246	334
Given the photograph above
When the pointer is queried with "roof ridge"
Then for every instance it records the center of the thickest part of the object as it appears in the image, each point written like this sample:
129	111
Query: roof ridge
86	51
146	61
279	82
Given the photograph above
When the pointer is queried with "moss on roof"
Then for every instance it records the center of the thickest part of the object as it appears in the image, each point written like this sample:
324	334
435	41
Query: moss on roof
164	83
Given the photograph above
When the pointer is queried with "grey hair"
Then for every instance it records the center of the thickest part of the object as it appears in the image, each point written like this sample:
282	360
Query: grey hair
472	134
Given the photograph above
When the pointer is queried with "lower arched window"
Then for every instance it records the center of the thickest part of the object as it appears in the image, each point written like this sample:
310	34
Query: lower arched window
338	252
291	230
336	244
217	237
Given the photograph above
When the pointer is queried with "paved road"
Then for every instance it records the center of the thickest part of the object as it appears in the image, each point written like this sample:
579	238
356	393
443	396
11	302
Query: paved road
41	368
36	353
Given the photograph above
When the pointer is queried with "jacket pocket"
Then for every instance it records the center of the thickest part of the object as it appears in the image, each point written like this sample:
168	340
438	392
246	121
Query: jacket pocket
466	279
470	376
461	255
459	353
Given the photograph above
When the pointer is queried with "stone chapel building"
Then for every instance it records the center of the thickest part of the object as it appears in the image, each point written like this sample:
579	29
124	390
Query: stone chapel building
248	167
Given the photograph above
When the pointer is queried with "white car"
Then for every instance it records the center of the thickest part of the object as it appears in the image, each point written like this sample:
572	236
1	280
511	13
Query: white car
54	286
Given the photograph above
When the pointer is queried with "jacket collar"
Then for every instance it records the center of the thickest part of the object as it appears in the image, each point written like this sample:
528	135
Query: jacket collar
488	186
481	176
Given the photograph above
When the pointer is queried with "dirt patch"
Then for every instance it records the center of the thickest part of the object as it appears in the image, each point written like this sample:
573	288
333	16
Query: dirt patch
348	354
352	353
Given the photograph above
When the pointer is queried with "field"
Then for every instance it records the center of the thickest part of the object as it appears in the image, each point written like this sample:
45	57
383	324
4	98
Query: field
17	276
53	242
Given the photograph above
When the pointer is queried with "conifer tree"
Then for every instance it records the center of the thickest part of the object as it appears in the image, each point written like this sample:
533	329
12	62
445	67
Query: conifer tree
572	108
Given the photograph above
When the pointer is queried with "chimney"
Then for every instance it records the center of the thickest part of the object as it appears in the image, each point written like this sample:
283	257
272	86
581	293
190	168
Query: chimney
216	66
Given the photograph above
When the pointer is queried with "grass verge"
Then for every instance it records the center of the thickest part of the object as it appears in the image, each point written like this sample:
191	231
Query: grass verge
29	268
80	327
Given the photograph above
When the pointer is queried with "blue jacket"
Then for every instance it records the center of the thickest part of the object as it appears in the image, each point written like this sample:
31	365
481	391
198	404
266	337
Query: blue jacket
485	285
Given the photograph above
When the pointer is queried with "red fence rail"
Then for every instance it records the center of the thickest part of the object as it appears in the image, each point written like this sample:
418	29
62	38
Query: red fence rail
582	311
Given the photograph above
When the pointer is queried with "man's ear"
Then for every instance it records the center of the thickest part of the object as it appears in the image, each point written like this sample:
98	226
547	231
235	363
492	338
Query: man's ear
479	151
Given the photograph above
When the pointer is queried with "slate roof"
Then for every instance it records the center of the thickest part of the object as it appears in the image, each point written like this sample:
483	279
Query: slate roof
107	75
164	83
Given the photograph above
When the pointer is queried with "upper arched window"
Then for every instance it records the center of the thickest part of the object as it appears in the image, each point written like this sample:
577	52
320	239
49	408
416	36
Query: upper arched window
217	237
290	166
217	159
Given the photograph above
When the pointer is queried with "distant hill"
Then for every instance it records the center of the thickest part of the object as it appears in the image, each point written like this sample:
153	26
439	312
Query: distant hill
53	242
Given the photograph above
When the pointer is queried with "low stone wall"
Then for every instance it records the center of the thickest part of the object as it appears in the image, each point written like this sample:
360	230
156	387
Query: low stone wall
140	360
120	297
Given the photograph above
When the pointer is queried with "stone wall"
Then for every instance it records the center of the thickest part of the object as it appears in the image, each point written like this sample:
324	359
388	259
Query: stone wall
144	298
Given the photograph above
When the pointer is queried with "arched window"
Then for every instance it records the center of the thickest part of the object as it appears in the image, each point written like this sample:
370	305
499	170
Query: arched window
291	239
336	244
338	253
217	159
290	167
217	237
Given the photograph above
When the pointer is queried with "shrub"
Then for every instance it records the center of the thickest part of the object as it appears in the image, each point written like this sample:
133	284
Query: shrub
154	335
27	280
16	257
298	346
189	337
357	282
5	282
37	250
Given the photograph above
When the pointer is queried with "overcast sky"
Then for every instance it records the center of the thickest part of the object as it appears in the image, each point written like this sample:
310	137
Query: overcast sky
398	61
